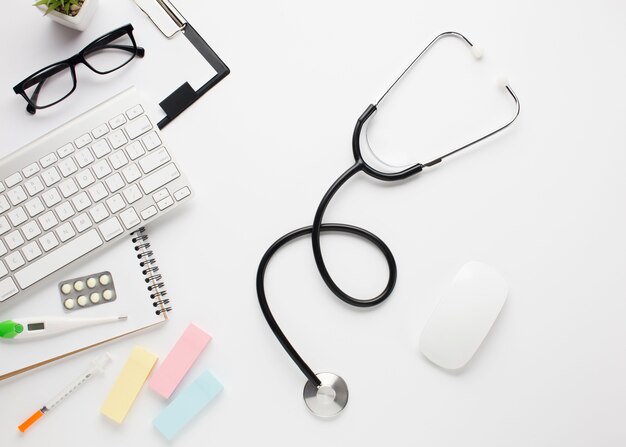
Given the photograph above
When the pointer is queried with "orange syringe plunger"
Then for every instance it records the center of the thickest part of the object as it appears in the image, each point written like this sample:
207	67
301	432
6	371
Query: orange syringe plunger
31	420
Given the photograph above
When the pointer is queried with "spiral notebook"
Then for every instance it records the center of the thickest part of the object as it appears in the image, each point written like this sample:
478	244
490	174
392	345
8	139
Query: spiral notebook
140	296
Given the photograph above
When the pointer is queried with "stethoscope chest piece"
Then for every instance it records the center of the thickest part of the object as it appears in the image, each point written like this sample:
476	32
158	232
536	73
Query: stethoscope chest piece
327	399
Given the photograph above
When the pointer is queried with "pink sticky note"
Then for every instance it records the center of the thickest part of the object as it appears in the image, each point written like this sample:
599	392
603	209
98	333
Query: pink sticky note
185	352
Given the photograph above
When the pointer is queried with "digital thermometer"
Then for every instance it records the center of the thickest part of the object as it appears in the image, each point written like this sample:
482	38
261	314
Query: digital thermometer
38	327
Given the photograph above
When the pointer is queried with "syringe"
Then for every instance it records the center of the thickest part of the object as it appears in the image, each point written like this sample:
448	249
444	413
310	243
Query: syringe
97	366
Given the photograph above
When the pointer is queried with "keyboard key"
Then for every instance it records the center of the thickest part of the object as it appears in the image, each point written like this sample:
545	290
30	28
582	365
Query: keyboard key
51	197
151	140
14	239
130	218
98	192
31	251
159	178
7	289
48	160
134	112
115	182
138	127
82	222
1	187
84	157
111	228
118	159
66	150
15	260
3	249
99	213
53	261
34	186
34	207
48	241
132	194
3	270
131	173
99	131
30	170
17	195
68	188
182	193
101	148
67	167
117	139
165	203
154	160
116	203
48	221
118	121
4	226
13	180
51	176
65	232
64	211
31	230
83	140
102	169
4	204
85	178
135	150
17	216
160	195
148	212
81	201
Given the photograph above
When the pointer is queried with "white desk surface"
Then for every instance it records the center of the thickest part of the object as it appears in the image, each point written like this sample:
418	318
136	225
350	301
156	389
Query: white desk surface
543	203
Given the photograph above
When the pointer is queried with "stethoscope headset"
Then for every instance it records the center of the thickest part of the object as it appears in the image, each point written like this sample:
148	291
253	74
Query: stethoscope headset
326	394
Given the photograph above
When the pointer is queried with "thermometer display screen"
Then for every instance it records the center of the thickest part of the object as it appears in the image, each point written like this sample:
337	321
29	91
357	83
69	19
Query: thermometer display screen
36	326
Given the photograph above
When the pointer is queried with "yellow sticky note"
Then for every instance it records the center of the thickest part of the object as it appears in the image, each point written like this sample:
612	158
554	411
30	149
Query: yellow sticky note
128	384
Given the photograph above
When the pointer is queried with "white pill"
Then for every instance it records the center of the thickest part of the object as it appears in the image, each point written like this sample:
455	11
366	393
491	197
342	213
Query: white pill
105	279
79	285
94	297
82	300
108	294
66	288
69	303
91	283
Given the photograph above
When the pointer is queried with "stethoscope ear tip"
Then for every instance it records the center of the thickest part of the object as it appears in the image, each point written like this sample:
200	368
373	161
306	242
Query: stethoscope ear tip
478	51
502	82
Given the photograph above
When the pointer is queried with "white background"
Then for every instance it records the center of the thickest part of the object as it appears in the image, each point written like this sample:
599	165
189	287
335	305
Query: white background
542	203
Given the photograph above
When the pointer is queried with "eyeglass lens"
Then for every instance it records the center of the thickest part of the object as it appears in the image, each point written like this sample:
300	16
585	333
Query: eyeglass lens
50	85
110	53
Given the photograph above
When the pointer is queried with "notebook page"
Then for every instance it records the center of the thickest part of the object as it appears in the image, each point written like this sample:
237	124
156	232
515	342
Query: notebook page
132	301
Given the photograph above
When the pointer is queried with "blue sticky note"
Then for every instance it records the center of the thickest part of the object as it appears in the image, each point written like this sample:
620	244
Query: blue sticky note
187	405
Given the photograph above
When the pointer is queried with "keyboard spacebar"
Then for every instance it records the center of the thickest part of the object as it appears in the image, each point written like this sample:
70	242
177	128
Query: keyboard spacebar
58	258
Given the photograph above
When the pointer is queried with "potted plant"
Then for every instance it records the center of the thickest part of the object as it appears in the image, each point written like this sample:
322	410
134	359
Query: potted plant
75	14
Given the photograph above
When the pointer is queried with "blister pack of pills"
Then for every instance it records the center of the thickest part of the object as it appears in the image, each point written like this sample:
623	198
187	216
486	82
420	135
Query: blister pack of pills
87	291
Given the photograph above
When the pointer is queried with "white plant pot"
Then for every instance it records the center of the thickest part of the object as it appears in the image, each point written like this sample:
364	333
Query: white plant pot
79	21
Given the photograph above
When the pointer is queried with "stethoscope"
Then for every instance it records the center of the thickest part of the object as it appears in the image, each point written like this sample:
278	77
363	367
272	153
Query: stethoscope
326	394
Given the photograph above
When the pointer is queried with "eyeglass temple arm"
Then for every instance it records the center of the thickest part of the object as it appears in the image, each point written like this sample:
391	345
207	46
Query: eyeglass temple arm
130	48
478	53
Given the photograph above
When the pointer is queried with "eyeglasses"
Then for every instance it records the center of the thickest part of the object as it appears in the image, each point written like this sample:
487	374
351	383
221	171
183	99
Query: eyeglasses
54	83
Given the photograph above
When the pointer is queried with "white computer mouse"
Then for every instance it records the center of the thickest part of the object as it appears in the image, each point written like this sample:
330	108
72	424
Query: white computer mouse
463	316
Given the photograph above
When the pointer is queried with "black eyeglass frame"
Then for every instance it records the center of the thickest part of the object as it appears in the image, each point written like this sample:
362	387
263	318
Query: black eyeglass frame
39	77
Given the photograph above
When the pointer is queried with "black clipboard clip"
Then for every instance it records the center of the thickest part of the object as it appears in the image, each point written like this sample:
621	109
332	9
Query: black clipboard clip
181	98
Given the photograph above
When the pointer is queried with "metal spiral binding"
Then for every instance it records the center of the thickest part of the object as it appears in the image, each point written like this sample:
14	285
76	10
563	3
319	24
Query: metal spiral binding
150	271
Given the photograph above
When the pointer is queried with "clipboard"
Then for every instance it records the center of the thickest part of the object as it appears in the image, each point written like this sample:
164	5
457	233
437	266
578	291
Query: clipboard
171	22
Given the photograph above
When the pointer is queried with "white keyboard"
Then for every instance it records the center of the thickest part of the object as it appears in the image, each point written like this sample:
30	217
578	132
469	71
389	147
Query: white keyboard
79	188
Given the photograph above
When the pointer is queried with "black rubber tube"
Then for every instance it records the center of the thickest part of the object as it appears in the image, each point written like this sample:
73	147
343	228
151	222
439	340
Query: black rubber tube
315	231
